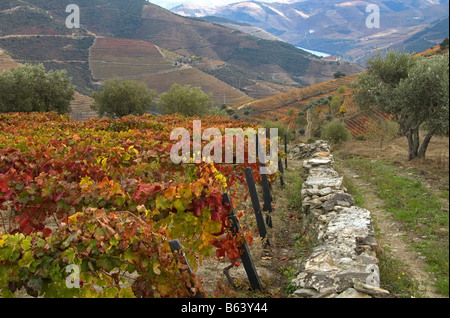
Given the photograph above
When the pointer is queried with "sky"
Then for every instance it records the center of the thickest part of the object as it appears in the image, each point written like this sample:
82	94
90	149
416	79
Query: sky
169	4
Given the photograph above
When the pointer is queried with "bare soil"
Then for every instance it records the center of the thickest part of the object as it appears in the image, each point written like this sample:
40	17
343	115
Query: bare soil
433	170
271	262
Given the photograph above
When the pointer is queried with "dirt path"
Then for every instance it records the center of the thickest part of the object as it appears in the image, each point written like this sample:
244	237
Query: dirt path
391	236
308	133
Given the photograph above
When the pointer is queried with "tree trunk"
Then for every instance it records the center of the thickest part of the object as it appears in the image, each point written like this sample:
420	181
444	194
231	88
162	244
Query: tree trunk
413	143
425	143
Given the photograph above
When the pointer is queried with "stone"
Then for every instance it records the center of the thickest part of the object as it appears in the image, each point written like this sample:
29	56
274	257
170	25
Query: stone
324	263
352	293
306	292
322	154
367	289
325	191
340	199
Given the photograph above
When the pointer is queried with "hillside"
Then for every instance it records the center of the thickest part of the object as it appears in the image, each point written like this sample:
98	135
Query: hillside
427	38
278	106
6	62
336	27
143	61
287	107
34	31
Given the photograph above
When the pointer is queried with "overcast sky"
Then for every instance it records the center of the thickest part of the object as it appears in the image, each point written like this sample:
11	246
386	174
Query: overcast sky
169	4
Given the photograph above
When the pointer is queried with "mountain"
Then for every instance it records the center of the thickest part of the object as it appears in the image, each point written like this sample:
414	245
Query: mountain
427	38
138	40
334	26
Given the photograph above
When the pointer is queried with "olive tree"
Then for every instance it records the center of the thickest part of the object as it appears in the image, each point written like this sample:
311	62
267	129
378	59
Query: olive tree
123	97
413	89
29	88
187	101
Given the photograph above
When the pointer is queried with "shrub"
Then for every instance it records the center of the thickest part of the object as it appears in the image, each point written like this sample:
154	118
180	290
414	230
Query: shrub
336	132
336	103
282	129
339	75
120	98
342	89
381	131
187	101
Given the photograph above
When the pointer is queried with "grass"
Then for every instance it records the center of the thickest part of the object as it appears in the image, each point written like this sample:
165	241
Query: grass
394	277
420	211
294	184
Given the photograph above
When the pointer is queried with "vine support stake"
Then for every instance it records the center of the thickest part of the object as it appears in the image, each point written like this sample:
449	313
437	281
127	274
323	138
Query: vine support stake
256	206
285	151
175	247
246	258
280	167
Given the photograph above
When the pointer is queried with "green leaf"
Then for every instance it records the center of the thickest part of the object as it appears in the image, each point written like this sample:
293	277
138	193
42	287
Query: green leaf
25	245
128	255
126	293
70	254
111	292
93	243
6	293
179	205
26	260
162	203
113	241
107	263
40	243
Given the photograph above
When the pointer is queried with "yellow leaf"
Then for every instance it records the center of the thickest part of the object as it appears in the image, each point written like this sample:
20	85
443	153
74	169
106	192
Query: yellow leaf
156	269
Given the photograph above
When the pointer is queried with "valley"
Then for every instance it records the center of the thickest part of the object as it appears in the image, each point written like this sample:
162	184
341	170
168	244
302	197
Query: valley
336	27
245	66
348	215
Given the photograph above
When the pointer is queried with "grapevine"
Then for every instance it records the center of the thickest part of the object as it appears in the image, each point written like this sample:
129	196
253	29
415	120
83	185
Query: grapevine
104	195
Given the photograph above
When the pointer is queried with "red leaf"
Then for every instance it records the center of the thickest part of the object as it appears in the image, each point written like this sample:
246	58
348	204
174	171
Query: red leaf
27	230
3	186
46	232
23	223
198	211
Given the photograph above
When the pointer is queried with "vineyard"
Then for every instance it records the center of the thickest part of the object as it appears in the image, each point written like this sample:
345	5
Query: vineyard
278	106
358	124
105	196
111	57
143	61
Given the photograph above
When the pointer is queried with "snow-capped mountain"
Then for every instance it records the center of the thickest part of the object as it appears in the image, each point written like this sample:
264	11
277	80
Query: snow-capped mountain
334	26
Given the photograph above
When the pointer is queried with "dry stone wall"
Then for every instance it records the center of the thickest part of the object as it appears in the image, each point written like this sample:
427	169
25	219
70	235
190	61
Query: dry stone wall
343	262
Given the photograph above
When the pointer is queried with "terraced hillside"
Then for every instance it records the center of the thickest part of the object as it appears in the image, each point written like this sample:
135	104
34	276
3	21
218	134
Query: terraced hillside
287	107
56	52
357	123
126	58
81	108
6	62
143	61
278	106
